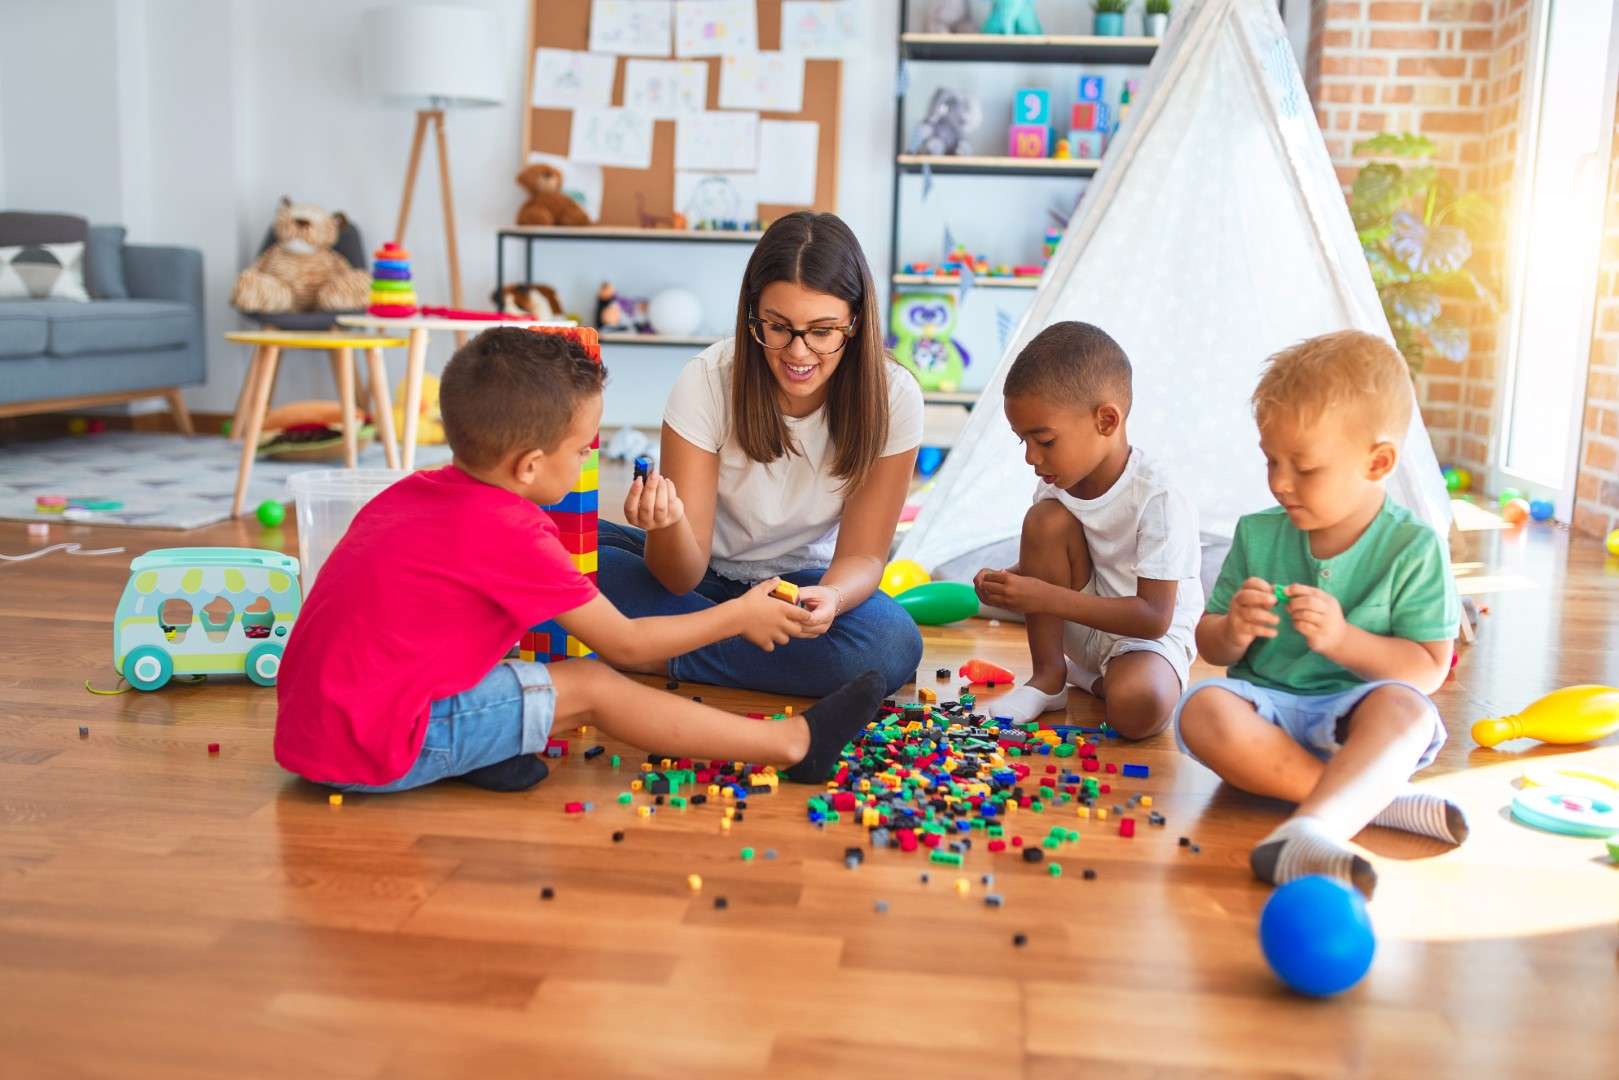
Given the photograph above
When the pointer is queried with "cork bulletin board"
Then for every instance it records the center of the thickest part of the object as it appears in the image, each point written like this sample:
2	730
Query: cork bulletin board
631	195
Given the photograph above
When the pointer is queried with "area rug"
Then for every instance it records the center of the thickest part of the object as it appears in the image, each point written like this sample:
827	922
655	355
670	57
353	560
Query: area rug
161	481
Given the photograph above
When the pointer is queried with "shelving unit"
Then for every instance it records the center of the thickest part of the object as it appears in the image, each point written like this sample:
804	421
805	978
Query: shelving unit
530	235
616	338
1068	49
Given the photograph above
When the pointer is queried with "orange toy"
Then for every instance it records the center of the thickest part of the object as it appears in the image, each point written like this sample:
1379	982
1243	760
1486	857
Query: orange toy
1515	512
982	671
1574	714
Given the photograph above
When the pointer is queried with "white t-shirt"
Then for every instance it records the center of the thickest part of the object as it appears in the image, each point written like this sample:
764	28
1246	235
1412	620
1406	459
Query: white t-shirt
1141	527
783	516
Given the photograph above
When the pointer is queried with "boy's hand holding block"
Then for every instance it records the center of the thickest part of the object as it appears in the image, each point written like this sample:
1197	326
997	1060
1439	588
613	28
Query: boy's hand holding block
786	592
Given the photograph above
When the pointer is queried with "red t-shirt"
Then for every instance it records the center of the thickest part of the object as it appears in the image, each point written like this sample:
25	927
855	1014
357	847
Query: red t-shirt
435	580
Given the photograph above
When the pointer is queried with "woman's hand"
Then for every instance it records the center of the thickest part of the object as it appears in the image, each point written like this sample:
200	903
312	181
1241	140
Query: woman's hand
823	603
653	504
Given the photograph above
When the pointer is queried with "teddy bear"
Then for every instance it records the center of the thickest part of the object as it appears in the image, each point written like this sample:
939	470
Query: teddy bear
301	270
952	115
540	301
547	203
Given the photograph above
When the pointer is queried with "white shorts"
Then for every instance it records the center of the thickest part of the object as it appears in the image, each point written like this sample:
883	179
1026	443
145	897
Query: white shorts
1092	650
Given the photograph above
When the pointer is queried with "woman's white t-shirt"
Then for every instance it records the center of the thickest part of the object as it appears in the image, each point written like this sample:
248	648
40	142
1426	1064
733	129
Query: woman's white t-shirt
783	516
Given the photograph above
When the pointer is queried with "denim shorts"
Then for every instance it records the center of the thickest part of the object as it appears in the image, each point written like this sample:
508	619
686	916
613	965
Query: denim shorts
509	712
1312	720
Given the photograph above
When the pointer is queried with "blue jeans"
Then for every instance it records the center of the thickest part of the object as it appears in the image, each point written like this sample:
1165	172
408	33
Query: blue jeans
508	713
876	636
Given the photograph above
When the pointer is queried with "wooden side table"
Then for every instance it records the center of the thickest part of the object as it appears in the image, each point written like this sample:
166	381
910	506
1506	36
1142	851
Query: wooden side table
254	400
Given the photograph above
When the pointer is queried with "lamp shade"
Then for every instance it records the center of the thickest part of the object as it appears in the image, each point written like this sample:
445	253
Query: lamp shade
433	56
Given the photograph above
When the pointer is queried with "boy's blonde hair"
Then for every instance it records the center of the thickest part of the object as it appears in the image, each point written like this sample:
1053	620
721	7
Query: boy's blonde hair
1350	371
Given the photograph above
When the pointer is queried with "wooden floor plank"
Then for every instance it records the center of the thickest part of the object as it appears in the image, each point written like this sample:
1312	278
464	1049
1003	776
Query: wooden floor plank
165	912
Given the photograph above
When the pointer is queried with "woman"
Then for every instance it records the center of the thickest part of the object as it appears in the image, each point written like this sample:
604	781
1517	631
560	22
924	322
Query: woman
787	451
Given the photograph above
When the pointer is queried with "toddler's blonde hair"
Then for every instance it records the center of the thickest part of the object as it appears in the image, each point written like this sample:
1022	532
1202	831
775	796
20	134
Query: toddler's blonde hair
1351	372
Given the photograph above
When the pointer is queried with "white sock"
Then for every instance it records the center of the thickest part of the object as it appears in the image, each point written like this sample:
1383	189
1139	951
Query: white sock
1425	814
1088	681
1027	702
1301	846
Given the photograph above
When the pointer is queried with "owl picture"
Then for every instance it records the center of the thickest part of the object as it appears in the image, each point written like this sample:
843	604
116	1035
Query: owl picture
921	325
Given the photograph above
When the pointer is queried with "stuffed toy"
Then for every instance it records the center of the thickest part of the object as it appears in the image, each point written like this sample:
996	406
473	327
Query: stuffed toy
540	301
430	421
1013	17
609	312
950	17
547	203
951	117
310	431
301	271
922	339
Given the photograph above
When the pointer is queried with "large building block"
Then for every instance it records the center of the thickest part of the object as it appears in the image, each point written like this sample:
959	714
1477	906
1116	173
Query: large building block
1031	106
1029	141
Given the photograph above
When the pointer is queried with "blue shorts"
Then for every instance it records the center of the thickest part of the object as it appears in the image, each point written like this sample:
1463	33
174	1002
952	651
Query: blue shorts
1312	720
508	713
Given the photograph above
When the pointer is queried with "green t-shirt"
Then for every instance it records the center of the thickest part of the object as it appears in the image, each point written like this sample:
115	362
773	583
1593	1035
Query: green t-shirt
1394	581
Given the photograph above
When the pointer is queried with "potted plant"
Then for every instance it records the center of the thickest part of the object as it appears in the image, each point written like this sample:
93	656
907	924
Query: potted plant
1157	17
1109	17
1415	230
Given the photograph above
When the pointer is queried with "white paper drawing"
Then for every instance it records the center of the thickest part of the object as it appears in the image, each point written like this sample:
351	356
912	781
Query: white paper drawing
663	89
716	197
566	79
788	151
715	27
717	141
631	27
618	137
818	29
768	81
580	182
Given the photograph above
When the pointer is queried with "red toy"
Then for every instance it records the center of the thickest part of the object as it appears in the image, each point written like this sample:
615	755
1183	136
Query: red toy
982	671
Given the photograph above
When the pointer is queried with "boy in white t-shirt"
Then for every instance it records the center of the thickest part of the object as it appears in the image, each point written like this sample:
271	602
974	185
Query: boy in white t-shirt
1107	574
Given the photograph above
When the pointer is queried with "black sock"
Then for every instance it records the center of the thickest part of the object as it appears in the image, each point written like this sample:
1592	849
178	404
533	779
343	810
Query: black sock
514	774
833	721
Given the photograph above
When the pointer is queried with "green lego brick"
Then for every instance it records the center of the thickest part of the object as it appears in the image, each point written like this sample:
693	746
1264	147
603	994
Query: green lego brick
677	800
1054	869
948	857
625	798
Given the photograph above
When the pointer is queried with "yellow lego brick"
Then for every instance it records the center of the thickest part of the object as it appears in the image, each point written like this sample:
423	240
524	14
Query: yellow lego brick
525	654
926	696
1101	813
585	563
870	817
589	480
1083	811
636	785
1146	802
577	647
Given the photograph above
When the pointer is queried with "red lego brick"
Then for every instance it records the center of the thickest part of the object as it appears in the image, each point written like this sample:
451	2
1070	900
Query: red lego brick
931	839
1089	764
843	800
561	743
907	839
1017	841
1110	767
1127	826
578	543
573	808
1105	788
997	845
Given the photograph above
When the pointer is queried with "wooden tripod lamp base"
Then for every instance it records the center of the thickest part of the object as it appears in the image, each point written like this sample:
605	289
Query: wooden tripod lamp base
435	119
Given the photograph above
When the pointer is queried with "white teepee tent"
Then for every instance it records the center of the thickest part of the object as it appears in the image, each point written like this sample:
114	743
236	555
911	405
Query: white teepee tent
1214	234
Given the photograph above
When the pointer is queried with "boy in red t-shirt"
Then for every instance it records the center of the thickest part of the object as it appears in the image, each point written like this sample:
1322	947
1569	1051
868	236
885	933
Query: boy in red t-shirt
395	678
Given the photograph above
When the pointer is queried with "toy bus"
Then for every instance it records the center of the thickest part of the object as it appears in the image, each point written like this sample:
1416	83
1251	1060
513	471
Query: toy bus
205	611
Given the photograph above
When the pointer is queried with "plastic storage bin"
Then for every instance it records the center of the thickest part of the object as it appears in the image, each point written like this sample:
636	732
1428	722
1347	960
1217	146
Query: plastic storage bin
327	501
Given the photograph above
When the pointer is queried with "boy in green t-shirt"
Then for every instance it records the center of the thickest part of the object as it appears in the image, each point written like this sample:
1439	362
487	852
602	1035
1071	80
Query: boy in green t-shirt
1336	613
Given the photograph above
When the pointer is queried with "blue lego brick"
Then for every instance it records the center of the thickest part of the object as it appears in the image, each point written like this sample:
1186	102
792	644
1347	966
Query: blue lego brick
550	626
1135	770
576	502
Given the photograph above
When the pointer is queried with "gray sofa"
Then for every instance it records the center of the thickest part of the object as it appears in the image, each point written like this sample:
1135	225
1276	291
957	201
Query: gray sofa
148	342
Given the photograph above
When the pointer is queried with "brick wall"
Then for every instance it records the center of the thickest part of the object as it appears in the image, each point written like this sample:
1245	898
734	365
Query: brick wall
1450	70
1596	507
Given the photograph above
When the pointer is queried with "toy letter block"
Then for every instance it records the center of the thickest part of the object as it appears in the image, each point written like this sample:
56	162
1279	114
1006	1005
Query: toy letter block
1030	141
1091	87
1031	107
1082	116
1086	144
1104	117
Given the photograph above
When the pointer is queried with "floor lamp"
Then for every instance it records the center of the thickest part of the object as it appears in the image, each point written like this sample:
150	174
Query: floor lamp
433	58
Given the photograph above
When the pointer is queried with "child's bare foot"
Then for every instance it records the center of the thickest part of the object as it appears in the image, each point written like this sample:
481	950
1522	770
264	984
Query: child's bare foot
832	722
1299	847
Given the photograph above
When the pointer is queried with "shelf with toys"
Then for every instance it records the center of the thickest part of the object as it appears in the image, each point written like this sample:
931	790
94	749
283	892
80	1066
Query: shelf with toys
1028	48
1022	281
979	165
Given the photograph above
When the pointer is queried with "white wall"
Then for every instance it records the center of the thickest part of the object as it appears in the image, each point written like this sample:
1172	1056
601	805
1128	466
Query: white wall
190	137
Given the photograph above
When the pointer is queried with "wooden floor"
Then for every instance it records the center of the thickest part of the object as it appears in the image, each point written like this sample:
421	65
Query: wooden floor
164	913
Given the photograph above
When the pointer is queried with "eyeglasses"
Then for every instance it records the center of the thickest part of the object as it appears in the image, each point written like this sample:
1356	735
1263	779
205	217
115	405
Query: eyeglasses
821	340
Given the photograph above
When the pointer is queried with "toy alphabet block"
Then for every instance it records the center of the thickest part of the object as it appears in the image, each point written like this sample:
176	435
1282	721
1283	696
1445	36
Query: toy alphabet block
1086	144
1031	106
1091	87
1082	116
1029	141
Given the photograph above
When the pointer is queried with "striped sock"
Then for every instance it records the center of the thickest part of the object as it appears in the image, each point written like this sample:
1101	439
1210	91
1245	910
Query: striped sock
1300	847
1426	815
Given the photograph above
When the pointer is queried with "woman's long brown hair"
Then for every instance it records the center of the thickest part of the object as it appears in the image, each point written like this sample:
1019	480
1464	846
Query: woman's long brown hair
818	252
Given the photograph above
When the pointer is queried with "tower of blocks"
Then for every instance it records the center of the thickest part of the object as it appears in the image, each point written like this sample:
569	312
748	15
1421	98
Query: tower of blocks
575	518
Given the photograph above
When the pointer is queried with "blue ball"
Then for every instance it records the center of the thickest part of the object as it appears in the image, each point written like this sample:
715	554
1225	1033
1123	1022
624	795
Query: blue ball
928	460
1316	936
1541	509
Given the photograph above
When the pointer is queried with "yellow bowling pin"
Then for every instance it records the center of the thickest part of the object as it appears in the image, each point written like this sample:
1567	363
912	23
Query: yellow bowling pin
1574	714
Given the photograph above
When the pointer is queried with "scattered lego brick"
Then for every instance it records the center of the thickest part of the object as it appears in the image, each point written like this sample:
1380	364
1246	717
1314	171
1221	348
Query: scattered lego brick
770	853
595	752
963	886
1020	940
1146	800
1138	771
1127	827
1033	854
881	907
943	674
84	731
671	685
1185	841
694	882
1054	869
547	893
335	799
618	836
720	903
1110	767
1089	874
573	808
